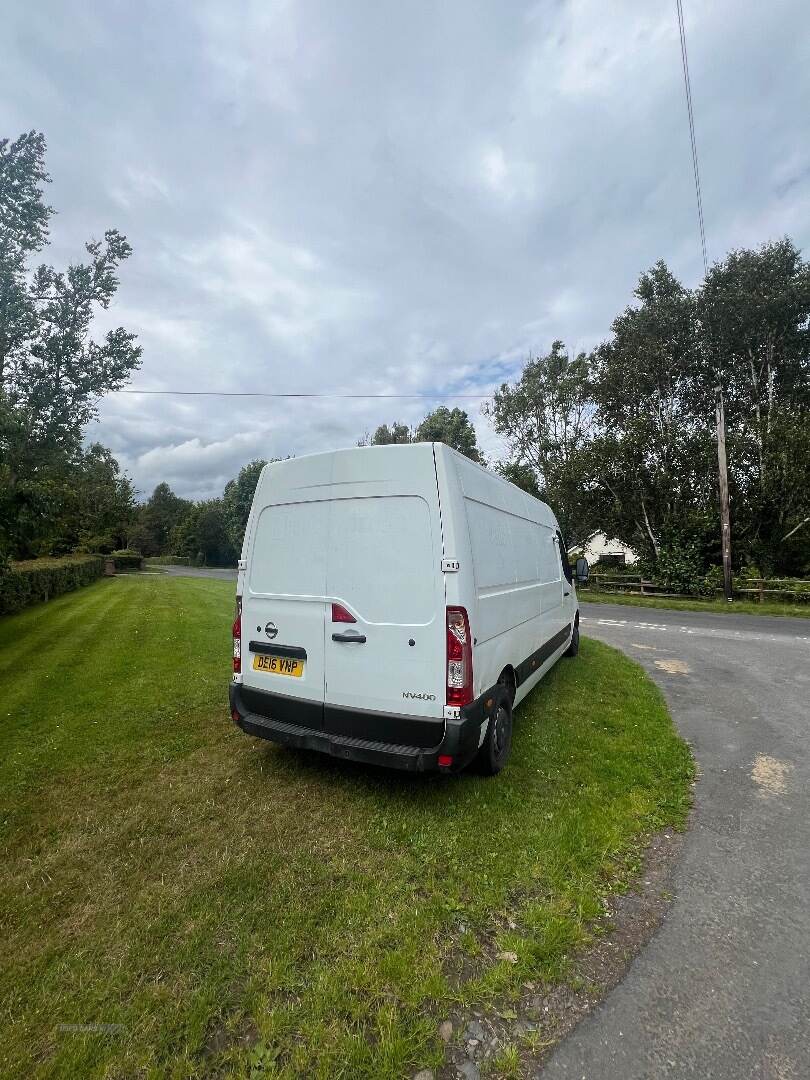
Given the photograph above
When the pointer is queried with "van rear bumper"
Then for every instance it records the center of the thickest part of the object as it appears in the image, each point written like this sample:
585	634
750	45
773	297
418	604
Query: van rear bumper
460	738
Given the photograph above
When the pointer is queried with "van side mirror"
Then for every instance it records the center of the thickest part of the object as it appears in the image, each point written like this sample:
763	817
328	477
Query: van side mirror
583	571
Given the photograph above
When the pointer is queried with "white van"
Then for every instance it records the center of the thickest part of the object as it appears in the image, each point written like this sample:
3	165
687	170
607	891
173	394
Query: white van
394	603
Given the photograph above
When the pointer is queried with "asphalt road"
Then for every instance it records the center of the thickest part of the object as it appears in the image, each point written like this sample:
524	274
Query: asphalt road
198	571
723	989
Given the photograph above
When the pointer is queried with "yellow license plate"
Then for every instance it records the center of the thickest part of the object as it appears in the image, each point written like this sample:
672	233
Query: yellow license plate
279	665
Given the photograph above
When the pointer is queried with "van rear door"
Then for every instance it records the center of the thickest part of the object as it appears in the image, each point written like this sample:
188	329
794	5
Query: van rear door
284	611
384	672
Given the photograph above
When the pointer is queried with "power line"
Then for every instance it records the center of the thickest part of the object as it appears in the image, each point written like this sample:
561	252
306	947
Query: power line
688	88
262	394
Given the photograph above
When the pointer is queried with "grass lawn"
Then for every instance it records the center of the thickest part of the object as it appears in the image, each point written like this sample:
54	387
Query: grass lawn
722	607
235	909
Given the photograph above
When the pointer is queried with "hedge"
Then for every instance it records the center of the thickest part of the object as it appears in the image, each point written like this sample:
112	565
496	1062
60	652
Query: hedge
126	559
167	560
38	580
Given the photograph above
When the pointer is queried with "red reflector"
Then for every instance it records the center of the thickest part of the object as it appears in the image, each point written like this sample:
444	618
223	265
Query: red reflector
234	716
236	631
445	760
340	614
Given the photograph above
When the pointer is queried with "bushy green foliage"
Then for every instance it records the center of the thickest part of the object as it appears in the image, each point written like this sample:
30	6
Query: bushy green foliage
450	426
52	372
96	545
546	418
157	519
237	499
202	535
624	440
712	581
678	568
127	559
38	580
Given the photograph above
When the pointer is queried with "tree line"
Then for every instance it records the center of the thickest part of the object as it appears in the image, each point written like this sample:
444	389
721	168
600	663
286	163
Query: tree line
623	438
619	439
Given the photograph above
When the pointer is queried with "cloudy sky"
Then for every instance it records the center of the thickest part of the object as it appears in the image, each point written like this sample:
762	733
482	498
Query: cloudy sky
387	197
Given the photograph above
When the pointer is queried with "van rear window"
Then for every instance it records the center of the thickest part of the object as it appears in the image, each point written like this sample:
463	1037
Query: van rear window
375	554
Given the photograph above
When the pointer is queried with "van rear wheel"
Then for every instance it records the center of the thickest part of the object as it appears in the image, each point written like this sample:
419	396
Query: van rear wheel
497	744
573	647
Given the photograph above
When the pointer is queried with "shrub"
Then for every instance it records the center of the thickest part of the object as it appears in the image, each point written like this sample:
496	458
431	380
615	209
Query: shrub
38	580
168	560
678	568
97	545
126	559
713	581
749	573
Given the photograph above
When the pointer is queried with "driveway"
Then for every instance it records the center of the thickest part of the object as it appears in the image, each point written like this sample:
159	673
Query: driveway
200	571
723	990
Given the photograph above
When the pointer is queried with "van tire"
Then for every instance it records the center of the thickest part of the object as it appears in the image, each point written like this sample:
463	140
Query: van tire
497	744
573	648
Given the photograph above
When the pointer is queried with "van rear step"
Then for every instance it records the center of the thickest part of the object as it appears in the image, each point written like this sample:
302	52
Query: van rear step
409	758
459	744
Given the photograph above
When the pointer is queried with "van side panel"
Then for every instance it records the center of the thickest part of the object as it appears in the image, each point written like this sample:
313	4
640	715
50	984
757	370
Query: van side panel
513	581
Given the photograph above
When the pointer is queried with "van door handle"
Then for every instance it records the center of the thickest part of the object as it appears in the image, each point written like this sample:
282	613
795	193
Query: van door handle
358	639
567	592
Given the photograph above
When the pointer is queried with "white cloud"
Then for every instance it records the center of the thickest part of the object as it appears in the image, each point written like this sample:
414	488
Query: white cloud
286	286
139	185
391	198
506	178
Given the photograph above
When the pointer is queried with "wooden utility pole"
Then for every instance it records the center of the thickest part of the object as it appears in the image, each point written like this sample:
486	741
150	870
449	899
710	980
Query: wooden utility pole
725	523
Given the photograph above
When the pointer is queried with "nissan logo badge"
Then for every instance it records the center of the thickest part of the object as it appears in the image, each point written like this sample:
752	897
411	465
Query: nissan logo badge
271	630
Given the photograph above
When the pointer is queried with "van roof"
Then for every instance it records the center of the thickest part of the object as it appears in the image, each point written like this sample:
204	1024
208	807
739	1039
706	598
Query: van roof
310	470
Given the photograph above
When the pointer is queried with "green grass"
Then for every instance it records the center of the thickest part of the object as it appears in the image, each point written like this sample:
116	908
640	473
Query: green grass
737	607
244	910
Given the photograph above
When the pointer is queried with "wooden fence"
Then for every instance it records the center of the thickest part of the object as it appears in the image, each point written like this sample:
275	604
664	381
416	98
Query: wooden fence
757	589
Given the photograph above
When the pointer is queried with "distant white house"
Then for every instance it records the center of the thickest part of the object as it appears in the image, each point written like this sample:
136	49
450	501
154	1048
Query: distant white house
599	548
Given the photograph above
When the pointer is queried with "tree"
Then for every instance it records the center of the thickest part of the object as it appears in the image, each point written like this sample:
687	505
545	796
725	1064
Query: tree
452	427
98	506
157	520
522	476
202	535
653	457
52	372
623	440
237	500
546	418
754	325
397	433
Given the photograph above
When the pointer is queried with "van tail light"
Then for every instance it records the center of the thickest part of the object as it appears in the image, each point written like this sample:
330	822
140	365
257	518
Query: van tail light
459	657
340	614
237	637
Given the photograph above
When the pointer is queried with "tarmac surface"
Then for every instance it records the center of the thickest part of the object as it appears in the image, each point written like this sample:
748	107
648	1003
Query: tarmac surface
723	989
